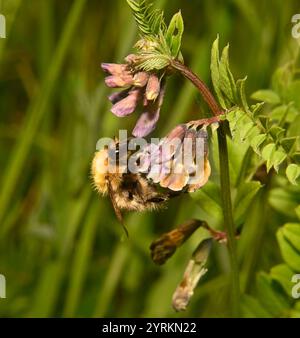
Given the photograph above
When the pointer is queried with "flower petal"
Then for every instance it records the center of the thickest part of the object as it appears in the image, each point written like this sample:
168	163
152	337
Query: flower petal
127	105
118	96
148	120
146	123
177	179
178	132
114	68
140	79
201	179
116	81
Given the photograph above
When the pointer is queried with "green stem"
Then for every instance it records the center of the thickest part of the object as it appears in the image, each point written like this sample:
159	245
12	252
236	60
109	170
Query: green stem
224	179
228	218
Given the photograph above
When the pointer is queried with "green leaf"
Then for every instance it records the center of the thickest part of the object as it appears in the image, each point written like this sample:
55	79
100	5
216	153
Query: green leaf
288	143
245	130
215	72
281	77
245	194
242	94
242	121
283	275
297	210
174	34
267	95
254	132
257	141
209	200
149	21
252	308
291	232
292	93
271	296
153	61
268	151
276	159
227	82
234	118
279	112
264	120
294	125
283	201
257	108
290	255
293	173
276	132
296	157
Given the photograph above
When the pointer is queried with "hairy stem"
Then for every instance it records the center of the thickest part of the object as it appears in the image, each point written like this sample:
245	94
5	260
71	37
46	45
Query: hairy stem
200	85
224	180
206	121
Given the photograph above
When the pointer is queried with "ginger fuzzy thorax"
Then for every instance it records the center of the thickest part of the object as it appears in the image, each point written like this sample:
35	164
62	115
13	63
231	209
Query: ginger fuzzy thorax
100	171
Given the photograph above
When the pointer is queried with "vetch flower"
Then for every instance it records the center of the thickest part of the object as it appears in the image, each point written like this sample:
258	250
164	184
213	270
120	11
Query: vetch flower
194	271
139	87
166	245
180	161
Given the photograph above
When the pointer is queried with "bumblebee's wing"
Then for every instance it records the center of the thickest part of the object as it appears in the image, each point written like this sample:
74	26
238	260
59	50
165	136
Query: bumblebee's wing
115	206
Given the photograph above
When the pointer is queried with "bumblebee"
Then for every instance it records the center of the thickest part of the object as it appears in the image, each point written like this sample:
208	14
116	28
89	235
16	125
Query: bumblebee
144	189
127	191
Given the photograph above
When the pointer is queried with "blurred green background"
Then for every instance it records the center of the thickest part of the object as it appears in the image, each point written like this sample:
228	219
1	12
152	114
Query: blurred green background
61	248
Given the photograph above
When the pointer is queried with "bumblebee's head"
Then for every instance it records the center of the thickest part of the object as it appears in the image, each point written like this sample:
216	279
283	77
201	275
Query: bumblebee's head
110	160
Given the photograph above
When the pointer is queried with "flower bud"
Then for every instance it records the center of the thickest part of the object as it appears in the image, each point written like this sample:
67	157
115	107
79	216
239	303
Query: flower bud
194	271
132	59
153	88
115	81
114	68
165	246
140	79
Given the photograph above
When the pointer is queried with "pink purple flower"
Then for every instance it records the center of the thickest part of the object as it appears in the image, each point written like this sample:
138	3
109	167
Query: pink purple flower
180	161
139	88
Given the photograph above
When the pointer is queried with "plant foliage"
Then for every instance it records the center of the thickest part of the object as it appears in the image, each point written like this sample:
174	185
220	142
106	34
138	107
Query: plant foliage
159	43
268	133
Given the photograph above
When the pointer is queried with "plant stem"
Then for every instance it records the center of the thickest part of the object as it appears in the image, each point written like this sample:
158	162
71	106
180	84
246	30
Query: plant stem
200	85
228	218
206	121
224	180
